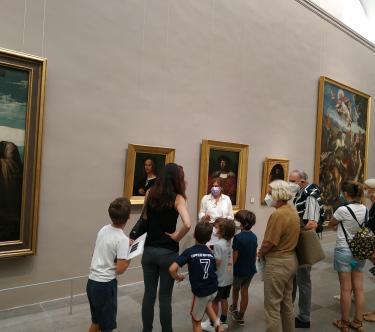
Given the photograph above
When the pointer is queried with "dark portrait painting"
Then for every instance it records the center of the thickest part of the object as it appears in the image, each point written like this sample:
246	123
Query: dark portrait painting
13	106
22	87
277	173
342	138
273	169
147	167
224	164
227	161
143	165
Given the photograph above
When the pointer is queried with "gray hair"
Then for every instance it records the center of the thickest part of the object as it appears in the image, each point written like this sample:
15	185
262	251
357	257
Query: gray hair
281	190
302	174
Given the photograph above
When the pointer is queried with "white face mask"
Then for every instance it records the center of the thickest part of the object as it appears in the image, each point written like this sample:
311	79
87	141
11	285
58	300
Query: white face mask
366	193
214	230
268	200
294	187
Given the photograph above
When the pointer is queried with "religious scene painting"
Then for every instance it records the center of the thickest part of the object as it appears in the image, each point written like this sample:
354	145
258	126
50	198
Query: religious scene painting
273	169
142	167
227	161
342	138
22	80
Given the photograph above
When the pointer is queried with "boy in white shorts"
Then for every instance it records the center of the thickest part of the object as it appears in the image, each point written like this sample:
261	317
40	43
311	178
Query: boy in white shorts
202	276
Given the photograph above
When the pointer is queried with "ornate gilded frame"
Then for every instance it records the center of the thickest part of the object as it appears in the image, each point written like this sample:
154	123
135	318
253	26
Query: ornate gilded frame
330	158
34	69
268	167
207	148
133	150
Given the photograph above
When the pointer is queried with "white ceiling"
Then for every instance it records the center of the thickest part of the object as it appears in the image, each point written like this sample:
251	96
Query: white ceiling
359	15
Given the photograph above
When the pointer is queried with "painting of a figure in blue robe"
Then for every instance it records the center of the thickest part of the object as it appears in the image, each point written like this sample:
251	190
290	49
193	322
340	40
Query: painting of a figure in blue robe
14	86
344	131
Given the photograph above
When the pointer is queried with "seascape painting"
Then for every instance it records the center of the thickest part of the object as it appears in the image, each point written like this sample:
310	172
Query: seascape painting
22	91
13	108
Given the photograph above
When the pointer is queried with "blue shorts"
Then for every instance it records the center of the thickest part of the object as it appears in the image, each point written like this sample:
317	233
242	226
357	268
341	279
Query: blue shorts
103	303
345	262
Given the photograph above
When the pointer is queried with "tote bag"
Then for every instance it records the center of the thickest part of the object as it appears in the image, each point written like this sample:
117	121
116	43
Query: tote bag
309	250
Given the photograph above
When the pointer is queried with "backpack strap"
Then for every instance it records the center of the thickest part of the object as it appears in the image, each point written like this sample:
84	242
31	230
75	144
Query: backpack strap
345	234
355	218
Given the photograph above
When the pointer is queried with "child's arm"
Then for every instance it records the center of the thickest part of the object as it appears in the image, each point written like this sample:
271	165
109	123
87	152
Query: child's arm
235	256
173	270
122	265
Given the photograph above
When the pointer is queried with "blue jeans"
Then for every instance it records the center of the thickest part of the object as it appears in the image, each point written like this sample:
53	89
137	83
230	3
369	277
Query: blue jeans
155	264
302	280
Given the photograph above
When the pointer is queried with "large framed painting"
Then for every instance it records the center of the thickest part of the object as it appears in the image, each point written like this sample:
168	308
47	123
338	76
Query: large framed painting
143	164
342	137
22	87
227	161
273	169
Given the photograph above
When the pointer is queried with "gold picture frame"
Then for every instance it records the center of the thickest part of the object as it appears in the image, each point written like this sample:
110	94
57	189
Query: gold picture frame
273	169
135	166
342	136
236	156
22	94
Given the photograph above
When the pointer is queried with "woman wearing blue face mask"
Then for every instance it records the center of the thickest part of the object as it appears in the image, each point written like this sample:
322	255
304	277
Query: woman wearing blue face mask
216	204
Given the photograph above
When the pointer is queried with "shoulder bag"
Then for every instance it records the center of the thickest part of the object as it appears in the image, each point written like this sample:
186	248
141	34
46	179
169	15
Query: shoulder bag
140	226
309	250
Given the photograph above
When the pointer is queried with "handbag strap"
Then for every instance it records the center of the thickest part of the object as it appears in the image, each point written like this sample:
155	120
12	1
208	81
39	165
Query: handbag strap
144	209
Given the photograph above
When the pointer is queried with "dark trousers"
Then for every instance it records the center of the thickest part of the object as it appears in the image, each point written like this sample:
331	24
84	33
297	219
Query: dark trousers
302	281
155	264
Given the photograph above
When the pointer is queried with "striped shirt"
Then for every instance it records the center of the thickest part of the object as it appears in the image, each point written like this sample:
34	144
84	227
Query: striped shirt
308	203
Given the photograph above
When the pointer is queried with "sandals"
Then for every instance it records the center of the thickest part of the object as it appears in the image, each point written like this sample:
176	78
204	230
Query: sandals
342	325
357	325
369	316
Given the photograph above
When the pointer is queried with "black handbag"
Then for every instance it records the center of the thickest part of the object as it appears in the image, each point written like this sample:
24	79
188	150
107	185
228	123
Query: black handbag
140	226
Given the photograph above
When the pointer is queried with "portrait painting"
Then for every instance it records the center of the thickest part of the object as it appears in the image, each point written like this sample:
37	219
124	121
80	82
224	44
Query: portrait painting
143	164
22	84
342	138
227	161
273	169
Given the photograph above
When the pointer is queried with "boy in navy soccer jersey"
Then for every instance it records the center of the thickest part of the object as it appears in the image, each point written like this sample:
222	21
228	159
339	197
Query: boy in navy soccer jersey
202	276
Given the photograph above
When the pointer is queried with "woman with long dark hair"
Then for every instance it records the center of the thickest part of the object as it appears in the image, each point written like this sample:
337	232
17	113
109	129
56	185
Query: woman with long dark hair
165	201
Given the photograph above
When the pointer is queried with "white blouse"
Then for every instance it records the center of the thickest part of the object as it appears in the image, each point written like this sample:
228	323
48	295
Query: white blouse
220	209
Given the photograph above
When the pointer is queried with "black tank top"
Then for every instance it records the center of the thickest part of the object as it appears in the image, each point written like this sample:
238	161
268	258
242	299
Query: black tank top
158	223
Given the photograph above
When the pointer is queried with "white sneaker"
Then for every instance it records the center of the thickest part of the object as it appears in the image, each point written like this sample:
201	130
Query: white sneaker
224	325
206	326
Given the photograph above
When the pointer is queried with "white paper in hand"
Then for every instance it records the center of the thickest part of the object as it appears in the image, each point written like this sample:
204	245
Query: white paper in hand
137	247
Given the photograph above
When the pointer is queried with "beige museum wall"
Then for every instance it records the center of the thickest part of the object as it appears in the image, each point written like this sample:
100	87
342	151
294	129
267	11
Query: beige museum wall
166	73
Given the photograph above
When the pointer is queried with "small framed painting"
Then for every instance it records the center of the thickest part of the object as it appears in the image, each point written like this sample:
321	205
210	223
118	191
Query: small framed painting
142	167
273	169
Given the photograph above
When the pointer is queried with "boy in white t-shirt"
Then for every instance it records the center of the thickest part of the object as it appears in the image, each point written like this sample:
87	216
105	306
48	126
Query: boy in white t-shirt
224	262
109	260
